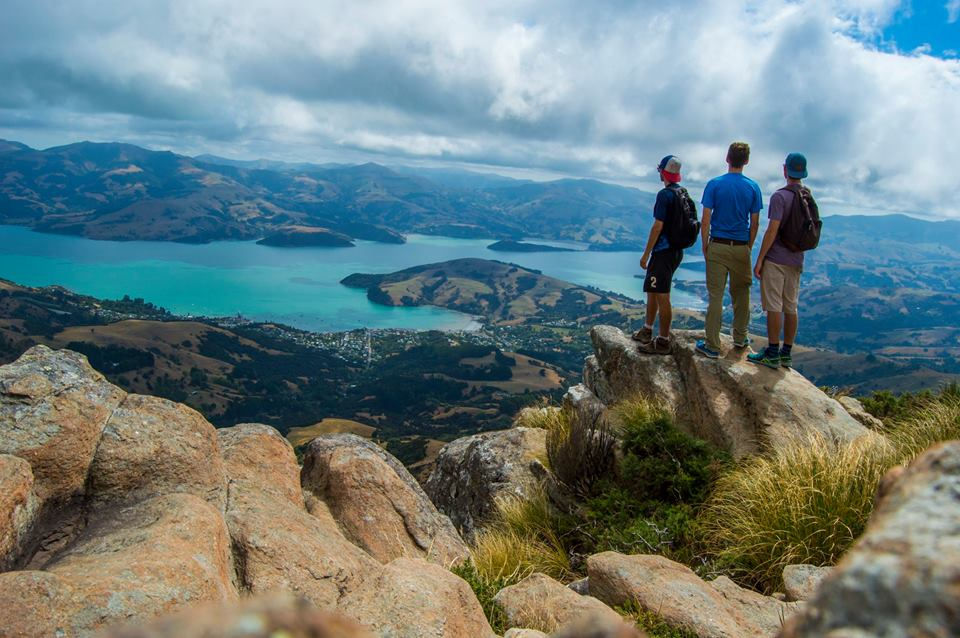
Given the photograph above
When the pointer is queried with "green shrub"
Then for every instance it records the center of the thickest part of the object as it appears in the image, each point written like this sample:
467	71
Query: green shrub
806	503
580	451
485	590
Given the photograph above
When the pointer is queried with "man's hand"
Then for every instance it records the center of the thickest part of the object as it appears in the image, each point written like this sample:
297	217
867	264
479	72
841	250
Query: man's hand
704	251
643	260
758	269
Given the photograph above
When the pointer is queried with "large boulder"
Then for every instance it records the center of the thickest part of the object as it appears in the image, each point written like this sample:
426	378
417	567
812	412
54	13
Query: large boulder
53	407
739	406
278	546
377	502
151	447
540	602
472	472
902	578
711	610
598	627
800	582
272	616
411	598
18	507
142	561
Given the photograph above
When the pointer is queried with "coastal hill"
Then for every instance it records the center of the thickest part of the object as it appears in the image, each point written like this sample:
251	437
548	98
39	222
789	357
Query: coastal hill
500	292
300	236
511	246
125	192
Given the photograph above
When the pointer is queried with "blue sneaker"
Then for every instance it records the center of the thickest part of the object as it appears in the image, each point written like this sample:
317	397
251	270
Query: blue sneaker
769	358
786	360
740	345
706	351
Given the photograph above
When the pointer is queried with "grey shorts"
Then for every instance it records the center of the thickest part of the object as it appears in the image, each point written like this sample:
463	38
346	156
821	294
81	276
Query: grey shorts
779	287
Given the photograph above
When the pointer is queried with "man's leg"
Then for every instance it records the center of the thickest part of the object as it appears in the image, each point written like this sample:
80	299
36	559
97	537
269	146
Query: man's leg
774	319
666	313
652	307
790	323
741	278
716	283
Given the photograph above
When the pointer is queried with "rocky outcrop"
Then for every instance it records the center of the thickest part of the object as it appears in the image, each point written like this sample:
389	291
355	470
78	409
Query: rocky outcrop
471	473
142	561
411	598
278	545
151	447
165	513
738	406
855	409
518	632
719	609
274	616
902	578
801	581
18	507
540	602
377	502
53	408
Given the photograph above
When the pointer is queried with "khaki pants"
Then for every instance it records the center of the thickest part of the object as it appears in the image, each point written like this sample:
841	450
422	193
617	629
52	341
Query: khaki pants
725	261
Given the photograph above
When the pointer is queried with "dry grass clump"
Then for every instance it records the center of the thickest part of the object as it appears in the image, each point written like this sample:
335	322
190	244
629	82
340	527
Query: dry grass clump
544	417
932	422
522	539
806	503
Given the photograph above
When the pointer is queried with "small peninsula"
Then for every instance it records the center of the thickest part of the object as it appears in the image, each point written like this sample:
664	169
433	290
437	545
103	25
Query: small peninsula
512	246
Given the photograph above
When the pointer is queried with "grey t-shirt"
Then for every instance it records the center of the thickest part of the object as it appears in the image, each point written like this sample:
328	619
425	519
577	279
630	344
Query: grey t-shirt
780	203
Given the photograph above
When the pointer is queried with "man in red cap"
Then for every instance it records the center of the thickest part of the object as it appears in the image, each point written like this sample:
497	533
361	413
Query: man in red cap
660	259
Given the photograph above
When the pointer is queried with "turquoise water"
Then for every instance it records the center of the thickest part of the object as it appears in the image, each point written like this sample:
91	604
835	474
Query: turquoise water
297	286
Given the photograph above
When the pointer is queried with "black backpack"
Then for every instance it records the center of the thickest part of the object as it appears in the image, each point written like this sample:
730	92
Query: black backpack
684	226
800	231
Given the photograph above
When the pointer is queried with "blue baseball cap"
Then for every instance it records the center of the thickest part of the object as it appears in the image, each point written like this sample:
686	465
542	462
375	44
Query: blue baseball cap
796	165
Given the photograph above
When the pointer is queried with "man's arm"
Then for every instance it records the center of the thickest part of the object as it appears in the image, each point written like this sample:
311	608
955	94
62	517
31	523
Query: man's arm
754	227
705	230
768	239
651	242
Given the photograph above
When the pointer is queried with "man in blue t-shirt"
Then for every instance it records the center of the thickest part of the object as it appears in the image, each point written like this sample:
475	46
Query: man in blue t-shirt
731	217
663	263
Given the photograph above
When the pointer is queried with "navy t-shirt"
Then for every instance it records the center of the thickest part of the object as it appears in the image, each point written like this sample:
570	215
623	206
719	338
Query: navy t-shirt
733	197
661	212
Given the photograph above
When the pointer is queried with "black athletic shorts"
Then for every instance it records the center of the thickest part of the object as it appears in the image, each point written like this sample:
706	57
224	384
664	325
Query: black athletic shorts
660	269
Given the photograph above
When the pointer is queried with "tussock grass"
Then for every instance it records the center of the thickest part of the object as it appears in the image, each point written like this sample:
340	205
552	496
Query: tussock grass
581	451
543	416
806	503
932	422
522	538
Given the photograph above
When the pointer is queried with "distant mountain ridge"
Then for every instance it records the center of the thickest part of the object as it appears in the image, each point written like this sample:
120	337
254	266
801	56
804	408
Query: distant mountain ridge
125	192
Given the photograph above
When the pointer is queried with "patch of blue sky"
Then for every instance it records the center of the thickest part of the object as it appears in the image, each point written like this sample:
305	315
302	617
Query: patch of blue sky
925	26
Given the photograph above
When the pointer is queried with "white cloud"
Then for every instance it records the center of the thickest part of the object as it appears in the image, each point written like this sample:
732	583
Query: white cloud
601	90
953	11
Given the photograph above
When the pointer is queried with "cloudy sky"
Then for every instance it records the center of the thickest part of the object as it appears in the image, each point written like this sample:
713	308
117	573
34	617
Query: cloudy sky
868	89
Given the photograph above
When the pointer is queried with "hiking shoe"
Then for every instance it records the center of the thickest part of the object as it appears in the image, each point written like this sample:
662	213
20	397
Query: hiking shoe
786	361
706	350
660	345
643	335
740	345
765	358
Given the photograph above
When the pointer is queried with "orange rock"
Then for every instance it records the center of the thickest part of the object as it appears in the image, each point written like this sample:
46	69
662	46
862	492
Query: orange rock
279	546
151	447
141	561
18	507
377	502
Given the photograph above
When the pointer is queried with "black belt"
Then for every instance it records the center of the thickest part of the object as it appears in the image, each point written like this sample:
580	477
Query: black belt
728	242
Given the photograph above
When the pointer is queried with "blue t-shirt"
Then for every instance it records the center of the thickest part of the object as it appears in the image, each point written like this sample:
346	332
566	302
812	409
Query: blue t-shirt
733	197
661	212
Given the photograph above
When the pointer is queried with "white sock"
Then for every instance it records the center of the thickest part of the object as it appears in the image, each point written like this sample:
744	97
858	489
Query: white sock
648	326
